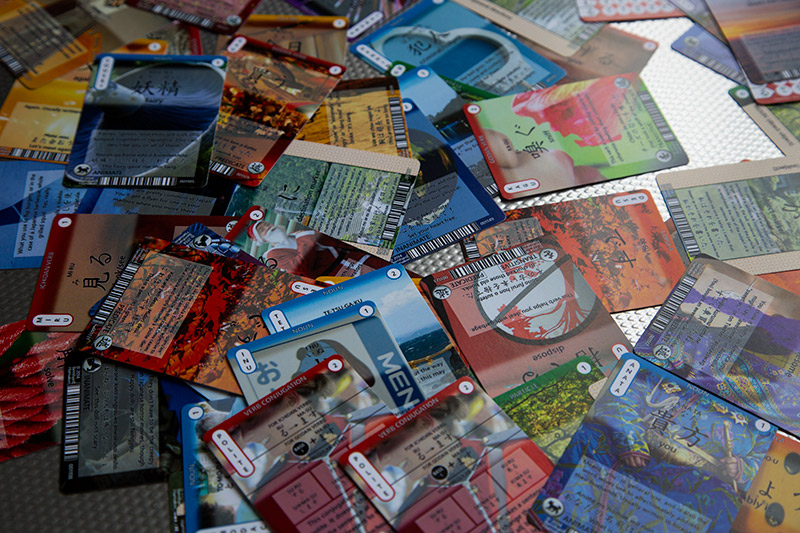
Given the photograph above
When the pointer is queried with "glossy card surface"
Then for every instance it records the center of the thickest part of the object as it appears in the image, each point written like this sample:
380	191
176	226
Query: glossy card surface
549	408
733	334
121	425
609	53
521	312
447	202
84	258
456	459
655	452
36	47
365	114
269	94
625	10
356	196
212	499
280	242
781	122
322	37
575	134
458	44
221	16
357	333
31	386
555	24
763	40
771	500
426	346
282	451
363	15
178	313
39	124
147	121
701	46
744	214
618	242
442	105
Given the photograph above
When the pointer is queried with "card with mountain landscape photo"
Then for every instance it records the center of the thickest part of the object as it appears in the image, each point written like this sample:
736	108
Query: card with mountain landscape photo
365	114
555	24
357	333
575	134
654	451
269	94
617	241
321	37
434	359
521	312
780	122
733	334
457	44
550	407
357	196
282	451
447	202
455	459
178	310
442	105
744	214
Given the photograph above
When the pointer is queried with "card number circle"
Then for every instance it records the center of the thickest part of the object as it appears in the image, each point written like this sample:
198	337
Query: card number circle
196	412
393	273
366	310
335	365
584	368
64	222
256	214
473	109
465	387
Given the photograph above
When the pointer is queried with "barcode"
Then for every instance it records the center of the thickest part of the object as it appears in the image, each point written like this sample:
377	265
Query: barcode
225	170
470	249
721	68
445	240
111	300
137	181
396	210
486	262
673	303
789	73
658	118
72	421
587	31
493	189
11	62
37	154
682	224
180	15
398	124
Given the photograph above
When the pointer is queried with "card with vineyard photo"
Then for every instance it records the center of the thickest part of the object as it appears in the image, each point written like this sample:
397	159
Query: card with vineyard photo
520	312
269	95
618	242
550	407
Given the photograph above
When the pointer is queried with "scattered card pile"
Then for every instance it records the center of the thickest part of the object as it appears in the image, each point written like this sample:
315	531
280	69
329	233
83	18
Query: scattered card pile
226	302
